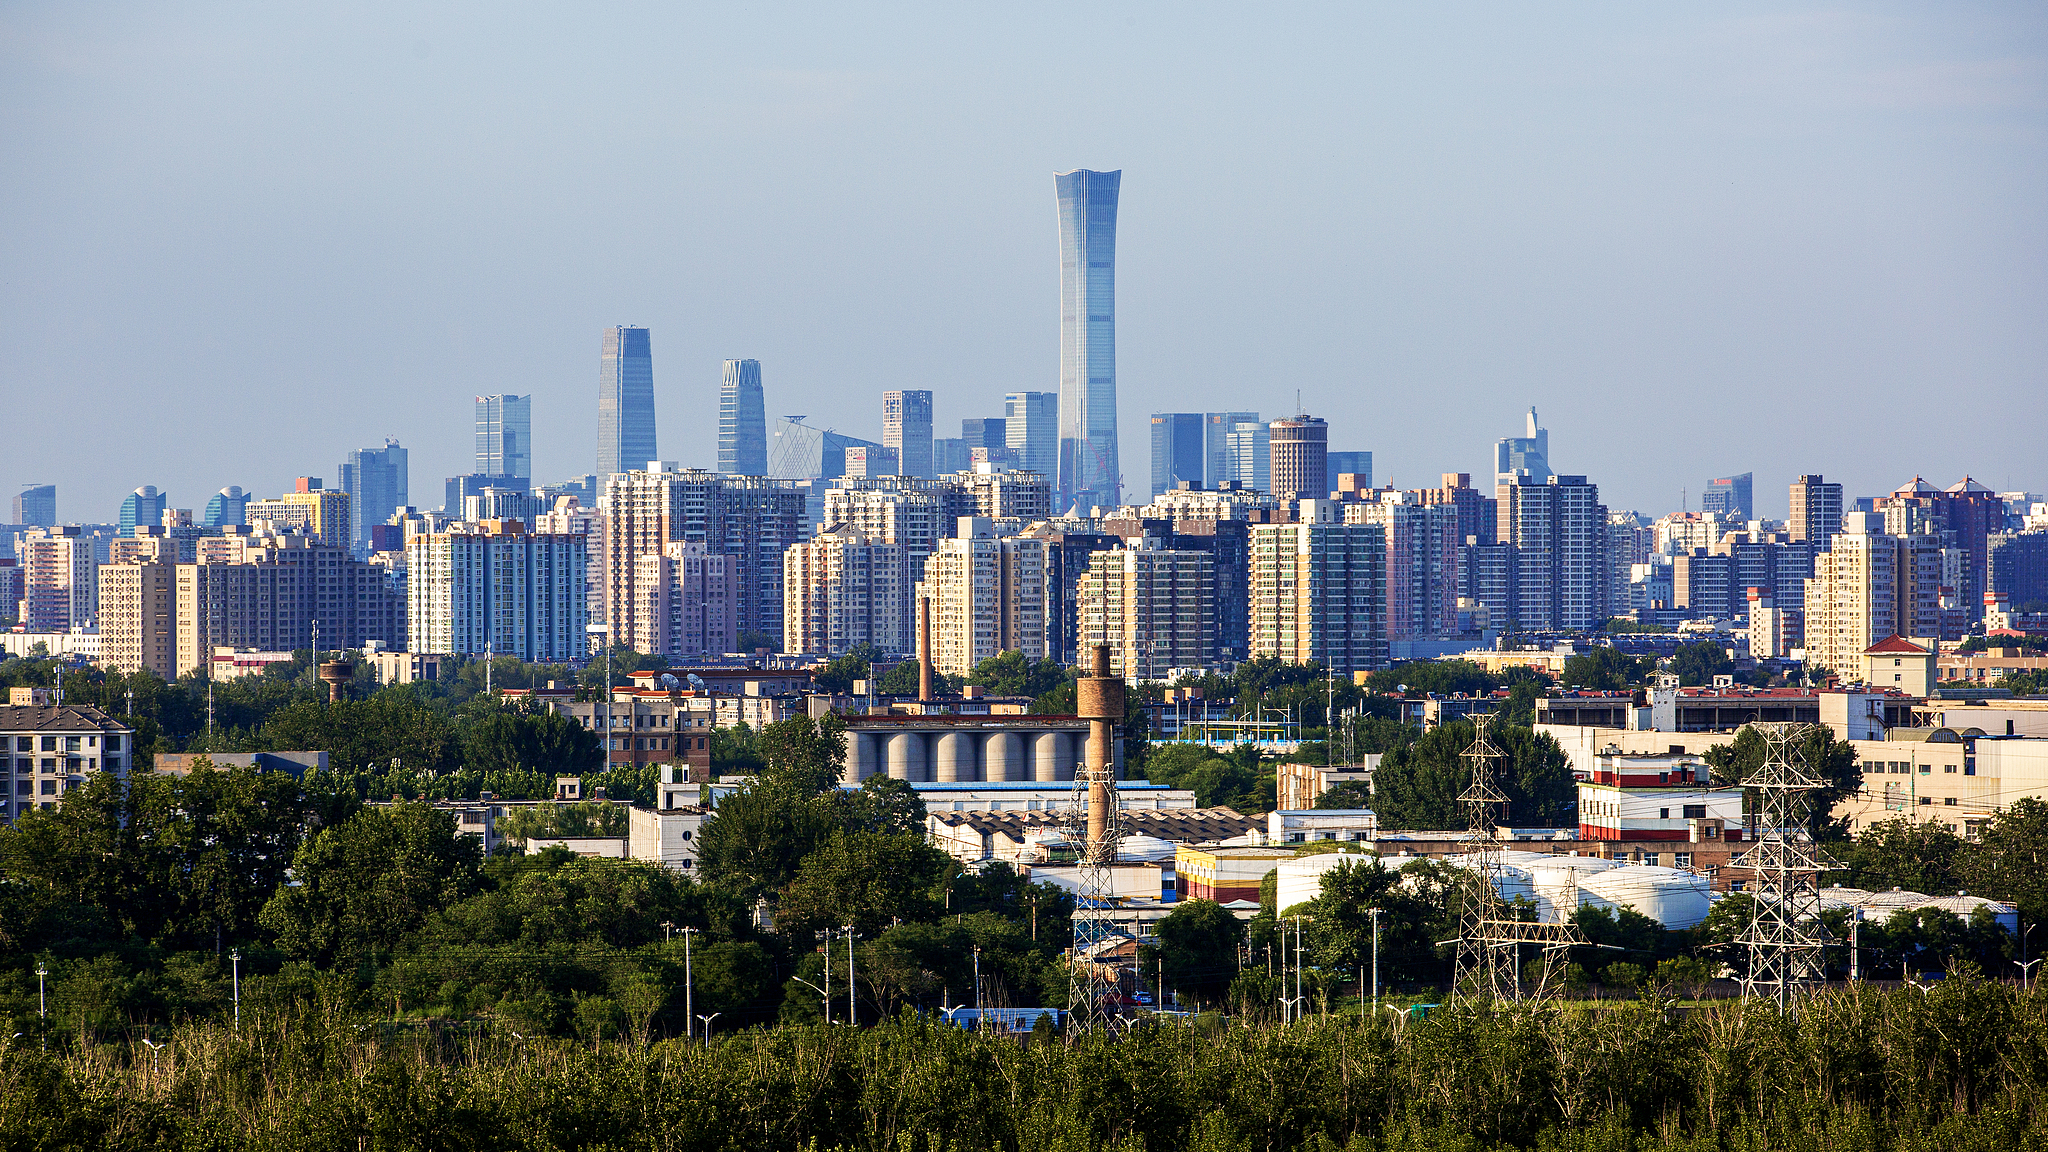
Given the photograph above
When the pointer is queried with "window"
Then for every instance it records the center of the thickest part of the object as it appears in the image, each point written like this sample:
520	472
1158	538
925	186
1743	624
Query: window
1926	768
1682	859
1695	811
49	743
114	742
24	743
1663	813
1951	801
1948	768
1927	799
49	787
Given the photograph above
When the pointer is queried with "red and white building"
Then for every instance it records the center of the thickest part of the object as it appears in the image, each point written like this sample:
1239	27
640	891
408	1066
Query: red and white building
1671	797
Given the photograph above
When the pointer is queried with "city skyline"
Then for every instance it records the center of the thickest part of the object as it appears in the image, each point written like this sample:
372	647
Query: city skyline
1758	224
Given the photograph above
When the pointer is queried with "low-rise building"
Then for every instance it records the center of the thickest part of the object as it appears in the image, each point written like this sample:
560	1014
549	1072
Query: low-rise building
1299	786
295	763
1669	797
1225	874
1304	826
234	663
52	748
1900	664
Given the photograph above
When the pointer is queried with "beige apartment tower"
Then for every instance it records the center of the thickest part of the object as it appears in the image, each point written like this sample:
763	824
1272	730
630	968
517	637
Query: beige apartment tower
138	617
1154	608
843	588
987	597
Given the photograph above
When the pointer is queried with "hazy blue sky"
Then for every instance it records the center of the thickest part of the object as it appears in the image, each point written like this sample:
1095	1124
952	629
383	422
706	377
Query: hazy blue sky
240	240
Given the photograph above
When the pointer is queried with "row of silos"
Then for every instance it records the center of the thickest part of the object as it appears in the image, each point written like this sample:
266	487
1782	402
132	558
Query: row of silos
963	754
1560	885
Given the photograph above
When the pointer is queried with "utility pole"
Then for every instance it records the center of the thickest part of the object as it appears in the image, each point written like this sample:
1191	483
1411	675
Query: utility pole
209	709
42	1002
1375	961
1297	967
236	956
689	981
977	980
852	1012
826	991
1855	922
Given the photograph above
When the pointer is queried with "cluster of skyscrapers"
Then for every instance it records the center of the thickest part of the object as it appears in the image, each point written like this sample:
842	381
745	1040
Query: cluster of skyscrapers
1254	538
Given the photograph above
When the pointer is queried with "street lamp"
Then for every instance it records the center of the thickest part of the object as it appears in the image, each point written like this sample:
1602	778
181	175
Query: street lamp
707	1025
236	956
42	1003
689	980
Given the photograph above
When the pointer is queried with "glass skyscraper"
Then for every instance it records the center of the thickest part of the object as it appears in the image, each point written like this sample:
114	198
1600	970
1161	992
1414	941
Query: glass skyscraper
144	506
378	482
625	402
742	420
504	430
1178	450
907	427
1089	473
228	506
1031	426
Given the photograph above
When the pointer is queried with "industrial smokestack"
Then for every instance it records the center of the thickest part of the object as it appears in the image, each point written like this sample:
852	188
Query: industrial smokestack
1099	699
924	648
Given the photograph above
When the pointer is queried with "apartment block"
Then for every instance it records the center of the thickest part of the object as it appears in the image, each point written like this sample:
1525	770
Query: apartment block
753	519
60	579
843	588
696	602
1423	550
312	510
47	749
1557	535
1318	590
138	617
1154	607
1870	585
269	592
494	588
1816	511
987	596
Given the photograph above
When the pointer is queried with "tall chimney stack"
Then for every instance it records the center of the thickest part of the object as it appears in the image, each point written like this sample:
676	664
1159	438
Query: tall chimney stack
924	648
1099	699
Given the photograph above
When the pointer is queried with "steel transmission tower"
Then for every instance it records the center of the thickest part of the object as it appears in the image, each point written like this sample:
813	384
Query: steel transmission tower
1785	937
1490	937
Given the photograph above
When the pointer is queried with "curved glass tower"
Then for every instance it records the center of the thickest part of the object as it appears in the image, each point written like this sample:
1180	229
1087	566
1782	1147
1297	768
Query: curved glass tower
742	420
625	402
1088	462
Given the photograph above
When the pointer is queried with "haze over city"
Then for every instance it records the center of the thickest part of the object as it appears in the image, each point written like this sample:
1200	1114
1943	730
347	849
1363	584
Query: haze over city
1761	237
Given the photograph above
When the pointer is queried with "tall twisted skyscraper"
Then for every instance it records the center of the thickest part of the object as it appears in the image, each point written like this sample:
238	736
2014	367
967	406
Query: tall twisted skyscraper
1088	462
625	402
742	420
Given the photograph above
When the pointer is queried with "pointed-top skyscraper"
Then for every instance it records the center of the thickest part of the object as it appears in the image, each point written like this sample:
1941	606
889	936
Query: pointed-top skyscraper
1089	473
625	402
742	420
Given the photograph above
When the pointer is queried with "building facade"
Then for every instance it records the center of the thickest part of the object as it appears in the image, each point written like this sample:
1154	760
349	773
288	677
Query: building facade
1154	608
1089	470
742	420
1423	551
142	507
1180	451
36	506
907	428
1300	458
1031	430
138	617
625	401
752	519
694	612
495	588
323	514
843	588
378	483
1816	511
269	592
60	580
1556	532
504	438
47	750
1318	590
986	596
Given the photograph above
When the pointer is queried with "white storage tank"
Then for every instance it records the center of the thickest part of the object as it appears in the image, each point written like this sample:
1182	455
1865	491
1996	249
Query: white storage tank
1673	897
1144	850
1557	879
1301	879
1879	906
1511	879
1965	906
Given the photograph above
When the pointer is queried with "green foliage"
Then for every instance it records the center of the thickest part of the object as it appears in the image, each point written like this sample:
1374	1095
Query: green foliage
1350	795
1417	906
548	821
1697	663
1011	674
364	884
543	741
1418	786
808	755
1830	759
838	675
1442	677
1196	947
1236	779
866	879
1605	669
2031	645
2010	859
1918	855
736	751
1619	624
1620	936
901	680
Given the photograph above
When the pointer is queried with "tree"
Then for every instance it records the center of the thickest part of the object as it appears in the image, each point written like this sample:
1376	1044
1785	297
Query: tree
1833	761
760	834
545	741
1236	779
735	751
1442	677
881	804
1699	662
1197	946
866	879
1012	674
2010	861
1351	795
1919	855
366	883
808	755
1618	935
838	675
1606	669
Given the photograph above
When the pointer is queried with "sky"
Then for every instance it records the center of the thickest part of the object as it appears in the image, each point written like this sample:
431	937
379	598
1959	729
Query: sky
239	240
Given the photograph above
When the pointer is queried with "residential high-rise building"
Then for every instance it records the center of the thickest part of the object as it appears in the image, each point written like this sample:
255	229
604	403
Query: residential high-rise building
987	597
571	517
1155	608
1870	585
144	506
742	420
1180	450
228	506
1964	515
138	617
495	588
1318	590
625	401
378	483
322	513
2018	570
1031	430
907	428
60	579
1423	548
1357	464
36	506
991	434
999	493
867	463
1089	474
1527	454
267	591
753	519
1300	458
1478	516
1558	533
1816	510
504	437
1067	556
1729	497
1221	463
1249	447
842	589
1630	541
693	601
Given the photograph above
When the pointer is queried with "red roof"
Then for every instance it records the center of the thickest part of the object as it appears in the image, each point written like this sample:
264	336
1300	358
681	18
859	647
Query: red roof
1895	644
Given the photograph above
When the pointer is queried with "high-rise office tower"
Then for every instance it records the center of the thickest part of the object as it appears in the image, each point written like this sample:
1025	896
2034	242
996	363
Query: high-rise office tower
144	506
625	401
1557	535
1816	510
228	506
504	437
1089	472
1249	447
1179	449
377	480
1529	454
1730	497
1217	427
37	506
742	420
1031	427
907	427
1357	464
1300	448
